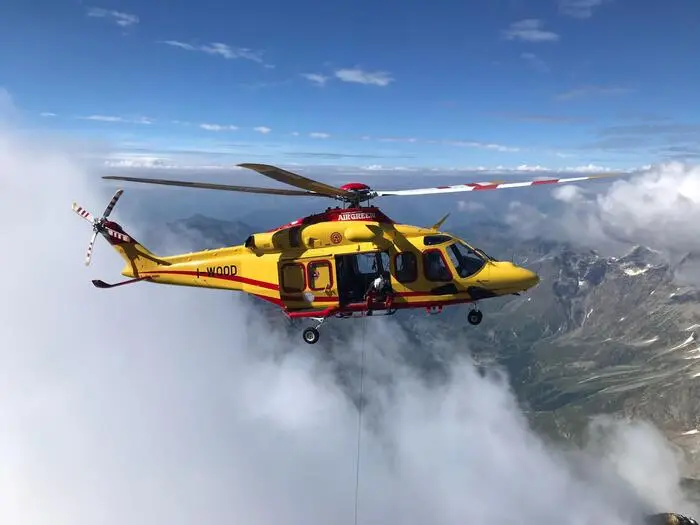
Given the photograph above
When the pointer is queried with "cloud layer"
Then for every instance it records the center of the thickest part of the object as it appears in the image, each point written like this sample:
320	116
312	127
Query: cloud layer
658	208
170	405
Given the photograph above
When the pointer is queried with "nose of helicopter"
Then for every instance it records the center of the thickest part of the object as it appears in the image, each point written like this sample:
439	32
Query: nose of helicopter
529	279
510	276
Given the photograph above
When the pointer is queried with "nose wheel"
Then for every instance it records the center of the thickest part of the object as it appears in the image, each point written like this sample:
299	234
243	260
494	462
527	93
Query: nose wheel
475	316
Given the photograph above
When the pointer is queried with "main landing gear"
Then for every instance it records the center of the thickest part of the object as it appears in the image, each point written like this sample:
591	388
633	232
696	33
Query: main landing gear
475	316
311	334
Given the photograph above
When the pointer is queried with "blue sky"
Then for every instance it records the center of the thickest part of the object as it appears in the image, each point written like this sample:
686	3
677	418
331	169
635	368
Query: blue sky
553	83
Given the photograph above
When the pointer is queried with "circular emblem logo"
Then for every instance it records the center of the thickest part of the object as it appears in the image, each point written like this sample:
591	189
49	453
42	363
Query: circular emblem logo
336	238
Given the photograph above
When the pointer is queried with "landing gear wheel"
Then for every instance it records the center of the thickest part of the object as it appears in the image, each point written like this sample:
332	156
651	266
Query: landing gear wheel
311	335
475	317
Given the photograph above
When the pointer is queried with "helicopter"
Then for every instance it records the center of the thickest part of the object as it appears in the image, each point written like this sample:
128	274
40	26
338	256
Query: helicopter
345	262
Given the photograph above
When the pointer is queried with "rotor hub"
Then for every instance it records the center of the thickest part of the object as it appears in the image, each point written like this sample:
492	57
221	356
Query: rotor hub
355	186
358	192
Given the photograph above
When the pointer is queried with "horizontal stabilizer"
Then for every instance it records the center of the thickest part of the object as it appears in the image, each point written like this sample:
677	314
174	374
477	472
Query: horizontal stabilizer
101	284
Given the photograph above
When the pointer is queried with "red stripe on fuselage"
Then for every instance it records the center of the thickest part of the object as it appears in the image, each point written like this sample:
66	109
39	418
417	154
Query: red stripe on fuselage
287	297
236	278
361	307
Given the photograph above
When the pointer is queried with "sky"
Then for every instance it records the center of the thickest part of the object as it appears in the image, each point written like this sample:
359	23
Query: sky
555	84
156	404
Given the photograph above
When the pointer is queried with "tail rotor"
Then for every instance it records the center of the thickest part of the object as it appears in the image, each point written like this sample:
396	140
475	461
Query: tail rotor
98	225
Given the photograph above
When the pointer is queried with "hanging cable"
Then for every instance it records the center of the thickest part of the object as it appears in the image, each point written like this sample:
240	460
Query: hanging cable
359	418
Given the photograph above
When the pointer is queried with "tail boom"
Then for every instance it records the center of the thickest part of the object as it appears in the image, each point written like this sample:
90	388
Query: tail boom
139	260
222	268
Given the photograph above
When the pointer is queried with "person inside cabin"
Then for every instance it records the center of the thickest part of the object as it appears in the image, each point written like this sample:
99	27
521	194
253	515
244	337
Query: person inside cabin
380	290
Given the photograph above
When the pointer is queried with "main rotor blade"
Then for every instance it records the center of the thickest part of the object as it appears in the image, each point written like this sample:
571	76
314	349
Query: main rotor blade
225	187
496	185
294	179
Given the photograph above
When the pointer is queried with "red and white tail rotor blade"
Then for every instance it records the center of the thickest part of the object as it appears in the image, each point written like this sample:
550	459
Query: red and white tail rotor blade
112	203
88	254
83	213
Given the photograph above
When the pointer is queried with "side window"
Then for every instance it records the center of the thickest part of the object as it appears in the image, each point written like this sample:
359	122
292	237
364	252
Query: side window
367	262
435	266
320	276
406	267
293	278
294	236
432	240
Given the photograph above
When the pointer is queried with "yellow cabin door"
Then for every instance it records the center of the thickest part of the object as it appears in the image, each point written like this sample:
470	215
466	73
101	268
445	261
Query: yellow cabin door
320	275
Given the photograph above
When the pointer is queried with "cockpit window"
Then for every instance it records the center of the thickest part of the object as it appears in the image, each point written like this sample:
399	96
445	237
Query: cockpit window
484	254
466	260
432	240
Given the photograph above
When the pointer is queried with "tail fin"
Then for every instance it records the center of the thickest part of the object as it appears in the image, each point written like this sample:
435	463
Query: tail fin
137	257
439	223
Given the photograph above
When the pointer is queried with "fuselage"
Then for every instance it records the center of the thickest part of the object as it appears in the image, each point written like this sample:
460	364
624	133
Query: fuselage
326	261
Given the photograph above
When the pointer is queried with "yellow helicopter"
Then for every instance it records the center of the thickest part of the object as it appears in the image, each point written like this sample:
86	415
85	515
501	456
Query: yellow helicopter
348	261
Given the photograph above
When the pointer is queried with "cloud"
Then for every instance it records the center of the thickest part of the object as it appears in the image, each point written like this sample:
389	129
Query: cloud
544	119
316	78
658	207
590	90
119	18
409	140
140	161
113	118
318	135
262	129
103	118
535	62
332	155
470	206
676	128
222	50
665	140
481	145
530	30
579	8
218	127
47	114
358	76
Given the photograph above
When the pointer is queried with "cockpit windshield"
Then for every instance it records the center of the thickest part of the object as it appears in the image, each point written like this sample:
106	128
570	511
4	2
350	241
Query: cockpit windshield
484	254
467	260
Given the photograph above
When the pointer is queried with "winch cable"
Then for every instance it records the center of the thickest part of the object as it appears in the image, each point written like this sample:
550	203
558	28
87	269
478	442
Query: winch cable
359	417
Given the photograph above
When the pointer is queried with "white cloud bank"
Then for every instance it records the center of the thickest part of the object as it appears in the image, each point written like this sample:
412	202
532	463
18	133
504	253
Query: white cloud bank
658	208
155	404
